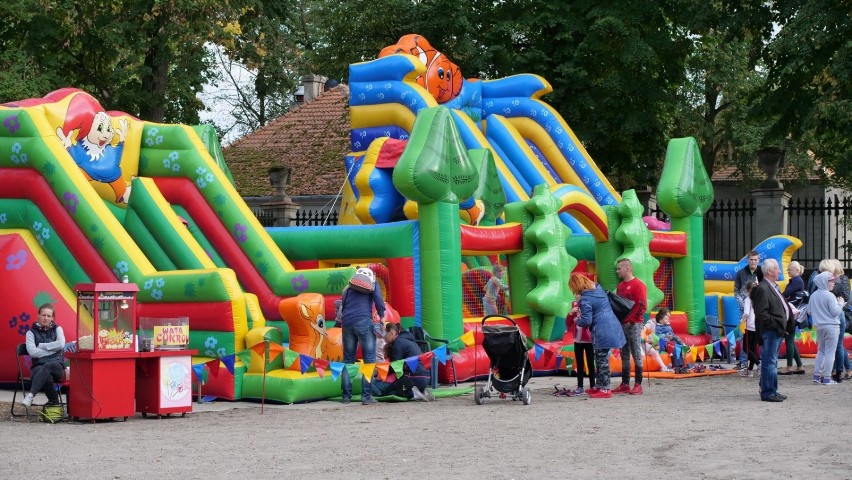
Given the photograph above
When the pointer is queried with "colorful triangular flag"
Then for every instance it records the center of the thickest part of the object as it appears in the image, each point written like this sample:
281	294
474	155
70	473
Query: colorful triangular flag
383	369
718	346
468	338
441	354
538	351
274	351
336	369
259	348
412	363
245	357
305	363
398	366
559	361
198	370
213	365
289	357
229	363
367	370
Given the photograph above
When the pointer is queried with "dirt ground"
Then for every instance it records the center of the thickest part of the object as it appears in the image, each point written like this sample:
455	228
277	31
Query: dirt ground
711	427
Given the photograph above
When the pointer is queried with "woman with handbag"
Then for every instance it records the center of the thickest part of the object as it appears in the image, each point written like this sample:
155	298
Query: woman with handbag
794	289
596	313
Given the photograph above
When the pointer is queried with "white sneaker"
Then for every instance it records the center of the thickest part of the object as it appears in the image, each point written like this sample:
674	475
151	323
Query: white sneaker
429	395
28	400
418	395
666	369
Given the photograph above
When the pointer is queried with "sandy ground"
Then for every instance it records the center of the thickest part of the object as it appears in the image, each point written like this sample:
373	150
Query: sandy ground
711	427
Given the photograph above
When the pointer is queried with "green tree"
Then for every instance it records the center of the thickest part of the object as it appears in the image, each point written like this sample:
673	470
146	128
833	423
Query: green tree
142	57
809	94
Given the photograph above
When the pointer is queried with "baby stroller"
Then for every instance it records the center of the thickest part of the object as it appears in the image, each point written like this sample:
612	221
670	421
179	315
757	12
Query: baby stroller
510	365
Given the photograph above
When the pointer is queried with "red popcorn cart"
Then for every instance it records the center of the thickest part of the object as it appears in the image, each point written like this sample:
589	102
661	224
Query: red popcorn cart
102	383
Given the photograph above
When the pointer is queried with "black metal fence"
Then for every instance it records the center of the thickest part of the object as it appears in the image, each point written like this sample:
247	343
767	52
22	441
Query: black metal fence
303	217
263	216
822	224
306	218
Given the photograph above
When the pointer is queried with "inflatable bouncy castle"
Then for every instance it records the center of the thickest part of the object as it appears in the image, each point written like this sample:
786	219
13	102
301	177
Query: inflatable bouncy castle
447	178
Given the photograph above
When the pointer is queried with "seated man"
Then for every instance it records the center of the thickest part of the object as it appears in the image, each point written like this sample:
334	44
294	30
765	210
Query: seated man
400	345
45	343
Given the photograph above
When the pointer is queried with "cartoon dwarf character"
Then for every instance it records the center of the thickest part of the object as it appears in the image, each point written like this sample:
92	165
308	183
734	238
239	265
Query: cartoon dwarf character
442	79
92	148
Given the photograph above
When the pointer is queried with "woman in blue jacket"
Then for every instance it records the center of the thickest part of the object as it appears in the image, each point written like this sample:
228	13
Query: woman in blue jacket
596	313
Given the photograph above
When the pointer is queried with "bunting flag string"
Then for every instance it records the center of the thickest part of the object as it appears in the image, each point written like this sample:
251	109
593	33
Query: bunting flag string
468	339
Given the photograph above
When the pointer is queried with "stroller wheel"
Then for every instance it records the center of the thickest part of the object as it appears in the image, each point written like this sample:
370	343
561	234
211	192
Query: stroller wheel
526	395
479	395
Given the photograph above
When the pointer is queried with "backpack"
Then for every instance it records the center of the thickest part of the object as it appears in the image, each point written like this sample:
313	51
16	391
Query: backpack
363	281
804	317
338	307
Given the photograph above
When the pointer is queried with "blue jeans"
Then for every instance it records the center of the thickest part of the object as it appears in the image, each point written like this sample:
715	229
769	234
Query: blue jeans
769	363
361	332
841	358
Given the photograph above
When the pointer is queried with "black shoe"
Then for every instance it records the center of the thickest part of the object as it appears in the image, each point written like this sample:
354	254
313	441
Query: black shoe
345	400
774	398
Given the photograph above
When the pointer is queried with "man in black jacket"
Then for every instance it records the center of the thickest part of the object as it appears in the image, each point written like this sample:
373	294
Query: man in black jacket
400	345
772	318
751	273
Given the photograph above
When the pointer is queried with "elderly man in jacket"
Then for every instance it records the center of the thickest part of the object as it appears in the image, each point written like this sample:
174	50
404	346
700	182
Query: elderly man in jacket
773	317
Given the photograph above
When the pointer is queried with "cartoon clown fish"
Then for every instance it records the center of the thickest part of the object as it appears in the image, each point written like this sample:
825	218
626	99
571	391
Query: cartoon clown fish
93	148
442	79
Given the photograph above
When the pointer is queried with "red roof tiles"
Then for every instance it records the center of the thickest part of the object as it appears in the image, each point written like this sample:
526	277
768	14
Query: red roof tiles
311	140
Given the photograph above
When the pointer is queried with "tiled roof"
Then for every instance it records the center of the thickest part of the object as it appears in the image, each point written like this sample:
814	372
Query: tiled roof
311	140
729	173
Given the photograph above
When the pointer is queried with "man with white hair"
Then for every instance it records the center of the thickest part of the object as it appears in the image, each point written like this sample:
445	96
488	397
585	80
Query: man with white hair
773	317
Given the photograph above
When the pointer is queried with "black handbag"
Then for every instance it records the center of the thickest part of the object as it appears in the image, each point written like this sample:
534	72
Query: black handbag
621	306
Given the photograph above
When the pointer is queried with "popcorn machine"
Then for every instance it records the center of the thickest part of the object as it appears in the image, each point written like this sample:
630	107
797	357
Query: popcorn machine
103	367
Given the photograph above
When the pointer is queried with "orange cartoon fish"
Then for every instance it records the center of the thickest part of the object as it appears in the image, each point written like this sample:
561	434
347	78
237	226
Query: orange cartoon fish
442	79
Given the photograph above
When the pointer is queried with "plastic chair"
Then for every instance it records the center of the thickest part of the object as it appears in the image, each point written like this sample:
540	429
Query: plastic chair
718	330
422	339
23	382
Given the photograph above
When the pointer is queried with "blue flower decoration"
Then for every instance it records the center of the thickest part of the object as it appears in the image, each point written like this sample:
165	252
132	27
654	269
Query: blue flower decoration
221	352
23	329
13	322
160	282
148	284
211	342
25	317
157	294
122	267
174	155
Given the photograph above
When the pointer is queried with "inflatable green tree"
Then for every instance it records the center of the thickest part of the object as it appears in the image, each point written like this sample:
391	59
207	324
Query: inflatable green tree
550	266
684	194
436	171
635	238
